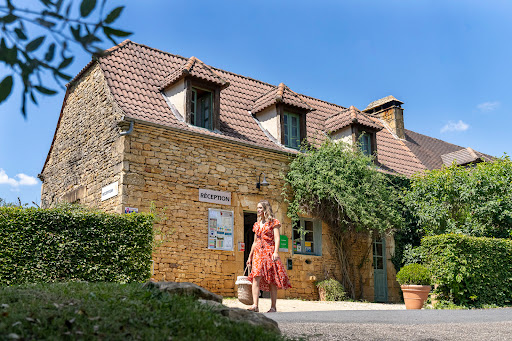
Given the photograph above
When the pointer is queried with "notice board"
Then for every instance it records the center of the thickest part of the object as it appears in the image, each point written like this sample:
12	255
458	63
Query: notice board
220	229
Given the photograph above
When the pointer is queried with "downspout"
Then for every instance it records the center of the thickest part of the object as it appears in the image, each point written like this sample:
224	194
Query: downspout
123	133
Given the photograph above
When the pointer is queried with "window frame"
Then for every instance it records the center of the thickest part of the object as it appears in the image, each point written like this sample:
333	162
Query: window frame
358	130
317	237
191	85
281	110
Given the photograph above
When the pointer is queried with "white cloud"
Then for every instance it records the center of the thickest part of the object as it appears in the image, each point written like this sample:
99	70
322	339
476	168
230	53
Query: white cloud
24	180
455	126
488	106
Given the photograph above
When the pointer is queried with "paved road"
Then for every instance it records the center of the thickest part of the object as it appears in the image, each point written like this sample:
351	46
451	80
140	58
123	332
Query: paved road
490	324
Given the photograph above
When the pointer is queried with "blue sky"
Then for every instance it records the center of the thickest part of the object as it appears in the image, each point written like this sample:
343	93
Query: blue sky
450	62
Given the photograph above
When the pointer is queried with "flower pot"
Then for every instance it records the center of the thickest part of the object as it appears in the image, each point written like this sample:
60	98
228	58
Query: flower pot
415	295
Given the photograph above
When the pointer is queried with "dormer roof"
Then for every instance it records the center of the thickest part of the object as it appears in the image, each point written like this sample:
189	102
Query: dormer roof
279	94
197	69
382	101
461	157
347	117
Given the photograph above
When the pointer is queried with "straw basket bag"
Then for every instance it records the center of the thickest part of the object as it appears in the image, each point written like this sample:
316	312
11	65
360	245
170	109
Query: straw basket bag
244	289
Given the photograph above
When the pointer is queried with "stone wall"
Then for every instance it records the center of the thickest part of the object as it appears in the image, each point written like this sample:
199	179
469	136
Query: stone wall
87	150
167	167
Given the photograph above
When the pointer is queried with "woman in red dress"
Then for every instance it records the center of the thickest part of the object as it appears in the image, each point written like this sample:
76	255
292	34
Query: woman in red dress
267	272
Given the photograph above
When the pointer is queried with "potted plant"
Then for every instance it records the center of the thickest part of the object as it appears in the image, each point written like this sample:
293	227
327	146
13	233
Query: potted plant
414	280
331	290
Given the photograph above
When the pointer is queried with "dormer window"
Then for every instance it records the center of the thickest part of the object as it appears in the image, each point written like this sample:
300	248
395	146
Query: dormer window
282	113
201	108
365	143
354	127
193	93
291	130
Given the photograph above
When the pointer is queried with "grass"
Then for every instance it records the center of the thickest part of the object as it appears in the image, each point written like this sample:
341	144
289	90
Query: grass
110	311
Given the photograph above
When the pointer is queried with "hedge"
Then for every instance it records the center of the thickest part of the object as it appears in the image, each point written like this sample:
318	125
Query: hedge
72	243
470	271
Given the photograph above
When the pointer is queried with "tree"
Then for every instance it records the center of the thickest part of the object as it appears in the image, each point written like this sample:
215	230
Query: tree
475	201
342	186
28	57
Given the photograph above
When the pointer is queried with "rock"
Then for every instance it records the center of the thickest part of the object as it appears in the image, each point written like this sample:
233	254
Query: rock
256	319
184	288
215	303
242	315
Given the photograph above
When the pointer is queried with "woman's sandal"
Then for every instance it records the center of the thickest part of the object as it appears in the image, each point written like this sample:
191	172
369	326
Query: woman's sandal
272	310
253	308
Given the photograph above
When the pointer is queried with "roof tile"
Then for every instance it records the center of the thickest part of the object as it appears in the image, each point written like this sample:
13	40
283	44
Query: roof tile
135	74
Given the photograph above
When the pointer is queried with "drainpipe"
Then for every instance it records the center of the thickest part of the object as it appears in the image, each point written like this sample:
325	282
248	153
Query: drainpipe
123	133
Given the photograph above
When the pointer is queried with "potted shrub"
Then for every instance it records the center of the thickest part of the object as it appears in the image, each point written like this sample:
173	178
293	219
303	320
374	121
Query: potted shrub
331	290
414	280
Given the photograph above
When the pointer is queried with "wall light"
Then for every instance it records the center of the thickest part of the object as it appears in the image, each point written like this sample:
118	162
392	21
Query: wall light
261	183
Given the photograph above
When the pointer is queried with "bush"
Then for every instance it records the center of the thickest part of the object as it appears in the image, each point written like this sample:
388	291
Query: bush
470	271
333	289
475	201
415	274
73	243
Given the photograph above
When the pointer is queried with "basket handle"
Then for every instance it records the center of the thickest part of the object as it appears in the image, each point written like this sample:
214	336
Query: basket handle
247	267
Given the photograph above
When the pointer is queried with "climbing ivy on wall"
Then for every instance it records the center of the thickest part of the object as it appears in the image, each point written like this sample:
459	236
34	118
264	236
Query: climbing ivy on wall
340	185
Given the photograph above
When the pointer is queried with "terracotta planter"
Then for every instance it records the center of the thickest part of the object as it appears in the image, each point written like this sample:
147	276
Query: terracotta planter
415	295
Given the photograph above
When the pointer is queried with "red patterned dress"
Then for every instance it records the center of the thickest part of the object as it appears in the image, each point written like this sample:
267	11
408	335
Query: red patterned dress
262	263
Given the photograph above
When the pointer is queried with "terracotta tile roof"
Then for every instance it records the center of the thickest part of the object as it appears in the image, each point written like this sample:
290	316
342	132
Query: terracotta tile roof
349	116
382	101
279	94
195	68
135	74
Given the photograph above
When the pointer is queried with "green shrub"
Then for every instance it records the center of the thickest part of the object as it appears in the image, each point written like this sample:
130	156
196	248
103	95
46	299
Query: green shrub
470	271
334	290
73	243
416	274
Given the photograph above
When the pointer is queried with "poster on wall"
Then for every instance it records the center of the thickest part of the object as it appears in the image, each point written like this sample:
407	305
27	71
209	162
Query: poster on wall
220	229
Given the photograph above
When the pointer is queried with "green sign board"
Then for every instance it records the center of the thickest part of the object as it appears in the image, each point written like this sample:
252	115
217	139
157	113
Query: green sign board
283	243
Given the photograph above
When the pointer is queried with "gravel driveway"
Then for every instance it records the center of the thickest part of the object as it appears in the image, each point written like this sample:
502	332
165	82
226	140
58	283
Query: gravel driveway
286	305
314	320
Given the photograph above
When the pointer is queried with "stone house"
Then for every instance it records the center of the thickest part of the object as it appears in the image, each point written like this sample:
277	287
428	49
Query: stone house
141	126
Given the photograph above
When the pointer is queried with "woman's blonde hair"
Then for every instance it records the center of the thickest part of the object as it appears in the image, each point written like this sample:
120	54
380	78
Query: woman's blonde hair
267	210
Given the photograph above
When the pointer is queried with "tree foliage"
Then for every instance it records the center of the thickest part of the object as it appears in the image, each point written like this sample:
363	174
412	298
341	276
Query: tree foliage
29	55
340	185
475	201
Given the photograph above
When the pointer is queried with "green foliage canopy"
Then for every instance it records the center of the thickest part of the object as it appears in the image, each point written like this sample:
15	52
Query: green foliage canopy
31	55
475	201
342	186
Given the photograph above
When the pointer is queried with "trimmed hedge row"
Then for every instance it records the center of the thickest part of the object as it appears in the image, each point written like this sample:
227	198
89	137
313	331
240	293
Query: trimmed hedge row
470	271
73	243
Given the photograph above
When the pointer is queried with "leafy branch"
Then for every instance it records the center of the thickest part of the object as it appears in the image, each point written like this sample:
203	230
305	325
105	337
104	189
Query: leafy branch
28	57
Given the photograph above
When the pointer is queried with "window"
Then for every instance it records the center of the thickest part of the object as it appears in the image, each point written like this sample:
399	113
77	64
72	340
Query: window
309	240
201	114
291	130
365	144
